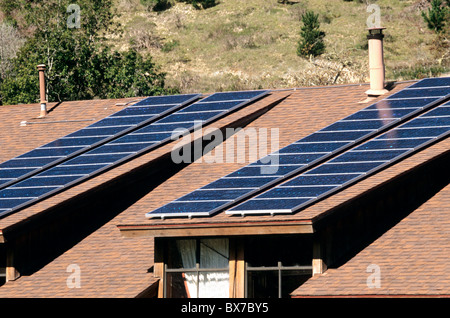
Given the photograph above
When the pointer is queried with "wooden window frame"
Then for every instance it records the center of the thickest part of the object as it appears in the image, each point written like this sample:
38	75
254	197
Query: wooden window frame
237	265
197	269
279	269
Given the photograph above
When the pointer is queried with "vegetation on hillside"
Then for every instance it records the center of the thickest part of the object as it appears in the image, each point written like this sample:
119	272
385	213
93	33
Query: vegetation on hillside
210	45
79	64
253	44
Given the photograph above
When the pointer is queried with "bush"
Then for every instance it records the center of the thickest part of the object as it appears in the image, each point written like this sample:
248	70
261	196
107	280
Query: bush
311	42
437	16
79	64
417	72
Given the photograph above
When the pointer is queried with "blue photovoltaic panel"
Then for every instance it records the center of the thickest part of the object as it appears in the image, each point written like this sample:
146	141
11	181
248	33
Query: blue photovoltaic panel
311	150
115	125
432	82
119	150
350	167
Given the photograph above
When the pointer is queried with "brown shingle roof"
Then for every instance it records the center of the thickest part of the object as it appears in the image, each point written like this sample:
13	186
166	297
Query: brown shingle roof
303	113
114	266
116	258
21	215
412	259
63	118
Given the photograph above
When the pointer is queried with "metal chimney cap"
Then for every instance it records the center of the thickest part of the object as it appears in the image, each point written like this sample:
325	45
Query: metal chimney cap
41	67
375	33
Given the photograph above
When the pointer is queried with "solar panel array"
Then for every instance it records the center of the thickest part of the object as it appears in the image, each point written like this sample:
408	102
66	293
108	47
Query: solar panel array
119	149
117	124
351	166
308	152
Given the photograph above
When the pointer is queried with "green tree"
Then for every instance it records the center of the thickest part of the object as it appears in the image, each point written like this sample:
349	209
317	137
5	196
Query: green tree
79	64
437	16
311	42
10	43
128	74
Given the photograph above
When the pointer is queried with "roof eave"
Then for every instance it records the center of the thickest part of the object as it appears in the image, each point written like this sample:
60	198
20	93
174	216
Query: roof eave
217	229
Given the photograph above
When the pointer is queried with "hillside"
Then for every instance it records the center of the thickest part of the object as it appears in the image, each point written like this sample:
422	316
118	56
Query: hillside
252	44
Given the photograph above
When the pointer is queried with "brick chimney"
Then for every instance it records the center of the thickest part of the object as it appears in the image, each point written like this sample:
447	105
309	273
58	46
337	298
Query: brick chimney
41	69
376	62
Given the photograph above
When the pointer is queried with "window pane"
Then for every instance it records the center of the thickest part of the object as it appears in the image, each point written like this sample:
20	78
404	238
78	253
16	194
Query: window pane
211	285
291	280
214	285
181	254
296	252
259	252
290	250
262	284
214	253
181	285
210	254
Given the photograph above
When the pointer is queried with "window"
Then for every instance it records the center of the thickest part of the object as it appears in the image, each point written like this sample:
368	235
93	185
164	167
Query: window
276	266
266	266
197	268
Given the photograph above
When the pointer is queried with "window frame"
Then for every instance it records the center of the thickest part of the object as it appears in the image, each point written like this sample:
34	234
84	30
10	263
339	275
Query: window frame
197	269
300	242
279	269
238	266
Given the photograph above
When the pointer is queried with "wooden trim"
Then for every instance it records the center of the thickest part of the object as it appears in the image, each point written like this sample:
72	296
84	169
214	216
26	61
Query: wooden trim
158	270
11	272
217	229
237	269
158	259
318	264
158	265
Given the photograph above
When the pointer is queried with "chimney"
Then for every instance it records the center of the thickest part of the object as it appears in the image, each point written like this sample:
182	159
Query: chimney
376	62
41	69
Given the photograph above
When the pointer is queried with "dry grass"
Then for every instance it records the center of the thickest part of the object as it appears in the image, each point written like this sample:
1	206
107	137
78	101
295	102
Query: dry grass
252	44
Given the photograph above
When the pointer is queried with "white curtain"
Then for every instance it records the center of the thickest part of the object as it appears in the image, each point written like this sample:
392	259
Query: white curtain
214	285
187	252
213	254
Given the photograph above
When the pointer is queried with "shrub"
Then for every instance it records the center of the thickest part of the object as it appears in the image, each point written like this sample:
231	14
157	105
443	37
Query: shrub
79	64
311	42
436	17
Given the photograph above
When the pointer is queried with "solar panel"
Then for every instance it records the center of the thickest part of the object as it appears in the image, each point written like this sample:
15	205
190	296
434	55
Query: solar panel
121	149
113	126
352	166
310	151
